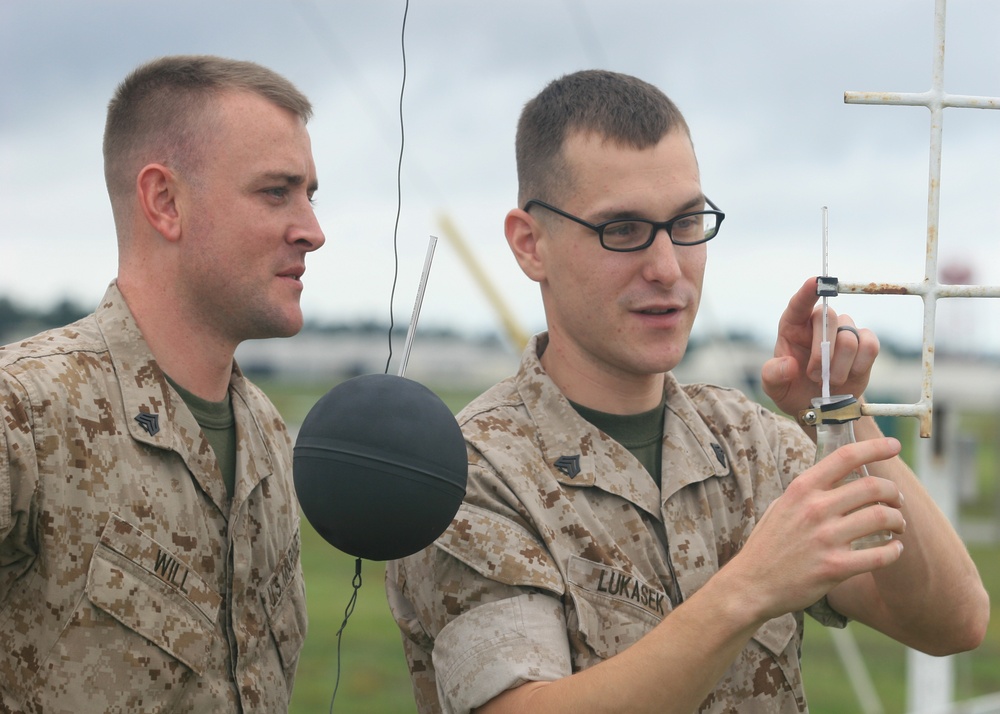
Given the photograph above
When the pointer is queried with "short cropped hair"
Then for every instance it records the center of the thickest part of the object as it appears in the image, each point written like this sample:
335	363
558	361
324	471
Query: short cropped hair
162	111
617	107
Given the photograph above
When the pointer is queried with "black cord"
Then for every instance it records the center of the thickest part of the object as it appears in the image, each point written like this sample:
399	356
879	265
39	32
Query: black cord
356	582
399	187
348	611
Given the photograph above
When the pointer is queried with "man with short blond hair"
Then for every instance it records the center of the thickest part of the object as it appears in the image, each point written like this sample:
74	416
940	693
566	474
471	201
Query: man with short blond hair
149	530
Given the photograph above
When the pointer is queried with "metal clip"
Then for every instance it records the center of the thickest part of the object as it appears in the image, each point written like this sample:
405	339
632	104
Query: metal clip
845	409
827	286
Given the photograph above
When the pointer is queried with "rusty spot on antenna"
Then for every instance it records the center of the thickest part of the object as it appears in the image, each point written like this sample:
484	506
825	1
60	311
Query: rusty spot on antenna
885	289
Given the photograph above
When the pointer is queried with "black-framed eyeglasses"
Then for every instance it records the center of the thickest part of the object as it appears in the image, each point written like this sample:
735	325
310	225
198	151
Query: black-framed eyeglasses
624	235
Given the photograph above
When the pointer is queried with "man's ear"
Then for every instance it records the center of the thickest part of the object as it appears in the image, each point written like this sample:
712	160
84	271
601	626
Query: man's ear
157	192
523	233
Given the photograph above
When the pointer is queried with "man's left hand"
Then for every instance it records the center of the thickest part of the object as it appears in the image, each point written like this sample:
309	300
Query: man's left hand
795	375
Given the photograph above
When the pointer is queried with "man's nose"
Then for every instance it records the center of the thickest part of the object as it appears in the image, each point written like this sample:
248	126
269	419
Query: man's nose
308	232
662	265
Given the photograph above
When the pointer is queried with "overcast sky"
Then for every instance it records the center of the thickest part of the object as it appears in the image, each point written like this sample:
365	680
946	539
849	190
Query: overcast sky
761	84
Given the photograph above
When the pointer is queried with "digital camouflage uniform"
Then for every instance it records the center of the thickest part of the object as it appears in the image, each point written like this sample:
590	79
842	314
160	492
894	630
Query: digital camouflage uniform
565	552
128	581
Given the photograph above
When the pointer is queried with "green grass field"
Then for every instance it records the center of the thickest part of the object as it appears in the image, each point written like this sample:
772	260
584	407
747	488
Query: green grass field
374	679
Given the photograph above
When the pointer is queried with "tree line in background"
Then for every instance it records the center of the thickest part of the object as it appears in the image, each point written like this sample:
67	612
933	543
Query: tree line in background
17	321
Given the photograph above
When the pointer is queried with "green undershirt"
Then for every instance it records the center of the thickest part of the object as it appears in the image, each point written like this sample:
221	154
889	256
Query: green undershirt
641	434
219	426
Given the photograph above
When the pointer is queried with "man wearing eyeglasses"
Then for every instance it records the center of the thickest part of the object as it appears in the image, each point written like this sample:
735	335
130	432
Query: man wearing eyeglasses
628	543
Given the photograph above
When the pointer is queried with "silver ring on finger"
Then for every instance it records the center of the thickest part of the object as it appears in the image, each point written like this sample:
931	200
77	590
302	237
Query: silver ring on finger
849	328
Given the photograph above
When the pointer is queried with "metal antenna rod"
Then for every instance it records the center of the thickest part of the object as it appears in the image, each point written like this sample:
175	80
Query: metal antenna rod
432	243
825	344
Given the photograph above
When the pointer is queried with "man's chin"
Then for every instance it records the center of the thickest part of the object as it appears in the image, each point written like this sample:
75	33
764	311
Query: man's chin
289	329
273	326
669	360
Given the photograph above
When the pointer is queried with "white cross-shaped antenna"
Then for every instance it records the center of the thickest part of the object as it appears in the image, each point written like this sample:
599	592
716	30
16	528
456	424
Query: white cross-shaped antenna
936	99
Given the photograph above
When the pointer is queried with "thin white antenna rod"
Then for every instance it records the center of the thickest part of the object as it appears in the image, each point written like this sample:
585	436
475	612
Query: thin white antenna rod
825	344
431	244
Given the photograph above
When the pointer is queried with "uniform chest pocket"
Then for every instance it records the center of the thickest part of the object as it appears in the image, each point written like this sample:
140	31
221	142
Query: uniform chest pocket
614	609
152	592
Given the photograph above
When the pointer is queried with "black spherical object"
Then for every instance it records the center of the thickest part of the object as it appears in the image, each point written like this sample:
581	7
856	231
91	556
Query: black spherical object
380	466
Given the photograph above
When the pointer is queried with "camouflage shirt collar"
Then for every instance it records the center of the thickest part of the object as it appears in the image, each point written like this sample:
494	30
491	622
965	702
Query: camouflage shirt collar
159	416
145	391
585	445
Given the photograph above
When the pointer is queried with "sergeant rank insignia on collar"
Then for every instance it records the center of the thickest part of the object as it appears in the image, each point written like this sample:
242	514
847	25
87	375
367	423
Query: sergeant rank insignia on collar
569	465
719	454
150	423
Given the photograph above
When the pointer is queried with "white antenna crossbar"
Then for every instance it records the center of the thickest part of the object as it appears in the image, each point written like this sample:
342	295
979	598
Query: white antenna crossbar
936	100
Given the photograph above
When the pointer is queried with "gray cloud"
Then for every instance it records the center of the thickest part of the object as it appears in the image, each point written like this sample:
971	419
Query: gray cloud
761	83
